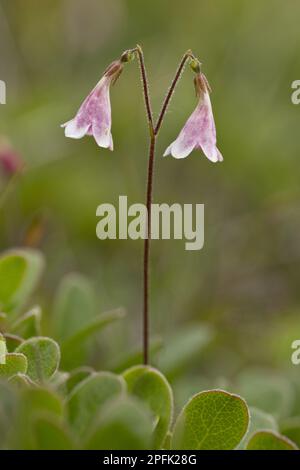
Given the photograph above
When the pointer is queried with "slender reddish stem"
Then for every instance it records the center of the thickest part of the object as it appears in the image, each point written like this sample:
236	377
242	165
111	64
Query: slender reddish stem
147	244
171	91
145	88
149	192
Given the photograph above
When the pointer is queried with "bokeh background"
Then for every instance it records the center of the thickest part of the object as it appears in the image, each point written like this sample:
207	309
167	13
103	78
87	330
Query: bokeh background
244	284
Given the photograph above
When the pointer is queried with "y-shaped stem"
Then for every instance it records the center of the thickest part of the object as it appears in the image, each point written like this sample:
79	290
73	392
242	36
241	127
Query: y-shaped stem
153	135
171	90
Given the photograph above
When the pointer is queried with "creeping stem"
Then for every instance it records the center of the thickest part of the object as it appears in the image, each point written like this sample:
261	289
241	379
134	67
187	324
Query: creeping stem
153	129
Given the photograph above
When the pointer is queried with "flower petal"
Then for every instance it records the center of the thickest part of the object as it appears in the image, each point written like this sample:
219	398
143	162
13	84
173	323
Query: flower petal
102	136
207	130
180	148
73	130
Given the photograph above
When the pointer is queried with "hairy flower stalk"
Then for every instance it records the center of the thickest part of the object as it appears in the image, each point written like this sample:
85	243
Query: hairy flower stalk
94	118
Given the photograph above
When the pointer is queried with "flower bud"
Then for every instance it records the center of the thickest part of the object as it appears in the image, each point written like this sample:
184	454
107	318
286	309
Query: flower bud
195	65
127	56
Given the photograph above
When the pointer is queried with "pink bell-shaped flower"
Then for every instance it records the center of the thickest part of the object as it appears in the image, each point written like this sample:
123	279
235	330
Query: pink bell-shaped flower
199	131
94	115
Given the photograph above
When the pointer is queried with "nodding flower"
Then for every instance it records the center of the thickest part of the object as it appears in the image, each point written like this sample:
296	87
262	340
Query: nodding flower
94	115
199	132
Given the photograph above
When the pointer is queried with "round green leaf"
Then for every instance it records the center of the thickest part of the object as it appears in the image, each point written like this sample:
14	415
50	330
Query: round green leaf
74	306
28	325
124	424
290	428
19	272
214	420
269	440
8	402
14	363
34	402
75	377
89	397
43	357
258	420
49	434
151	386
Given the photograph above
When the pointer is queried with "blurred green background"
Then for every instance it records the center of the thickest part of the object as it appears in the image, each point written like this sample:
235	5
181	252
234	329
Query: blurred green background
245	282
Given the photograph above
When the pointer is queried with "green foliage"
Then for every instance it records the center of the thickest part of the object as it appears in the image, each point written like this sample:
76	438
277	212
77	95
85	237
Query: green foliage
49	434
29	324
269	440
259	420
266	391
53	402
181	348
76	341
20	271
14	363
290	428
34	402
151	386
43	356
124	424
89	397
8	409
74	306
214	420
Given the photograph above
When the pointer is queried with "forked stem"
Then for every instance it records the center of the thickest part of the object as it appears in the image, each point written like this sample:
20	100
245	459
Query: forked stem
171	90
154	129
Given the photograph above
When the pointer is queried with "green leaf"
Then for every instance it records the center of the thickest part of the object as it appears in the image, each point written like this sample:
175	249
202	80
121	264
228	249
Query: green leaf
76	377
269	440
74	306
290	428
43	357
14	363
21	380
70	346
124	424
89	397
29	324
182	348
34	402
151	387
212	420
49	434
20	271
8	405
39	399
267	391
12	342
259	420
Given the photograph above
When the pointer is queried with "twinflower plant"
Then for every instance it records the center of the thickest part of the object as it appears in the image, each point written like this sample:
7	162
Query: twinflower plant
199	132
